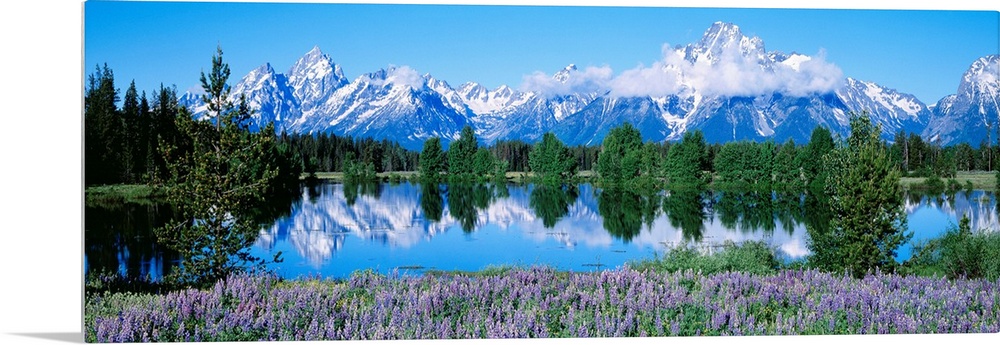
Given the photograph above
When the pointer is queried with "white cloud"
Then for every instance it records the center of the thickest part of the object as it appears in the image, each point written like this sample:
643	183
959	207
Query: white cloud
589	80
404	75
731	73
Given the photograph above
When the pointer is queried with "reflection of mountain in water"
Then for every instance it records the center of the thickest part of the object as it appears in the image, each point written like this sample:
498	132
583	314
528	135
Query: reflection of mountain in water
396	216
554	222
318	226
978	205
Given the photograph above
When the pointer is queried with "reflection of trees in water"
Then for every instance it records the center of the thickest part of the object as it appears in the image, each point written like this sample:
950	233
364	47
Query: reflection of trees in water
431	202
747	211
978	205
552	202
118	238
817	211
313	190
466	200
789	209
624	212
354	189
750	211
270	210
685	209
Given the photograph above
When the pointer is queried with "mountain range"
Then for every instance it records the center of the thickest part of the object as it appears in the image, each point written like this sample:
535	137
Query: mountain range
727	85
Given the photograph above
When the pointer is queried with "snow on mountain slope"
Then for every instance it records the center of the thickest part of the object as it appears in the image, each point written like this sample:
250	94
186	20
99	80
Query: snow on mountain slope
970	114
726	84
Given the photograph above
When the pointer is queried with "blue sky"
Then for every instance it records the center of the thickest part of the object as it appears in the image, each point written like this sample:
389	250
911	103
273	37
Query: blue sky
919	52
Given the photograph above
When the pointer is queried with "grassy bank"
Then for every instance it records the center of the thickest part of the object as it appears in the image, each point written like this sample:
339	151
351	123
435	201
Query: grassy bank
337	176
130	193
985	180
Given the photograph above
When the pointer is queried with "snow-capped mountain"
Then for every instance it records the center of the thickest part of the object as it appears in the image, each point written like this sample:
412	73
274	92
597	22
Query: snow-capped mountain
727	85
313	79
742	112
395	103
269	95
968	115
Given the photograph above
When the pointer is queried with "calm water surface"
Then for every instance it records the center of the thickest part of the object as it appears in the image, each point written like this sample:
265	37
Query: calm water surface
335	229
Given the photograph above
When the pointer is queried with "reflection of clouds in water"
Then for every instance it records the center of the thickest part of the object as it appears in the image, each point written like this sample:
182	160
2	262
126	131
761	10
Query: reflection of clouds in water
316	246
979	206
582	225
318	229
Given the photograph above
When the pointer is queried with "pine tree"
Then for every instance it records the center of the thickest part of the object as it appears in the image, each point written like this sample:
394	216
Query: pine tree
460	152
787	174
102	129
129	156
483	163
217	185
868	220
686	162
432	159
550	160
811	158
620	154
164	132
143	145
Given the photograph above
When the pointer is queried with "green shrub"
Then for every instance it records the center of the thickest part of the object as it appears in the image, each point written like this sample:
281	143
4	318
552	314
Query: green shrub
750	257
934	184
959	253
953	185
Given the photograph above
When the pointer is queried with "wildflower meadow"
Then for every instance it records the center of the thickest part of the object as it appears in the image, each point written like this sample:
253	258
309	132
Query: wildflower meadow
542	302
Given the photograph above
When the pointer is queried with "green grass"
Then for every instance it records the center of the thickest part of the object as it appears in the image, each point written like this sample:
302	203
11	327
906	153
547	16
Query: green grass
750	257
339	176
985	180
130	193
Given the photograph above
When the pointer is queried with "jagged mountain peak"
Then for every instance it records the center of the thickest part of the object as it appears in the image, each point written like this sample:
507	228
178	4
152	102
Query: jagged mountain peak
316	61
722	40
315	51
965	116
564	74
982	78
263	70
398	103
720	32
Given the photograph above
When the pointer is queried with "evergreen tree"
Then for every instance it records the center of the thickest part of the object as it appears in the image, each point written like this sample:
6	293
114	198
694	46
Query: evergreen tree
651	161
164	132
143	146
917	154
745	164
103	129
461	151
432	160
357	170
868	221
686	162
620	154
217	185
787	174
483	163
811	158
129	156
550	160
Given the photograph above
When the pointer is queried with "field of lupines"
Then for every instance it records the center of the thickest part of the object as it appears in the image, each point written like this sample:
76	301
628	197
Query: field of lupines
543	302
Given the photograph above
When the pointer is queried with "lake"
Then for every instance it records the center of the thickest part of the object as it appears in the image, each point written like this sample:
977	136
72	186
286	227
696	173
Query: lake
334	229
